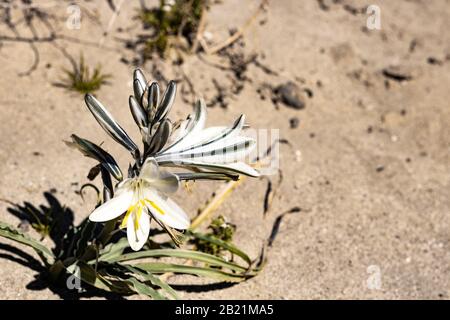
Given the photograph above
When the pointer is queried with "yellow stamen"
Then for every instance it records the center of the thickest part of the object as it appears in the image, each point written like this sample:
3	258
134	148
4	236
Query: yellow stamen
154	205
127	215
137	218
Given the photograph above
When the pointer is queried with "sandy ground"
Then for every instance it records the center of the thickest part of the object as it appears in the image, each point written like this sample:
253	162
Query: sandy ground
368	164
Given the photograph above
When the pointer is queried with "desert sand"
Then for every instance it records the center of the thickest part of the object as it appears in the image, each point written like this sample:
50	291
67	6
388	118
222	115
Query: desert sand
368	163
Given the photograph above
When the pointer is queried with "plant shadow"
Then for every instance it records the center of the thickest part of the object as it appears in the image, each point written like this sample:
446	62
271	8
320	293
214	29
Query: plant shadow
54	220
203	287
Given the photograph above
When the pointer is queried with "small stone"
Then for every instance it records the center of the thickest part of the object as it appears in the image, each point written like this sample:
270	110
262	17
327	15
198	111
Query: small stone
434	61
294	122
398	73
290	94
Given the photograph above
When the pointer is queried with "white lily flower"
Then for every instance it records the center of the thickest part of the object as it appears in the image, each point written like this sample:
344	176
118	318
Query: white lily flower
213	149
141	198
207	153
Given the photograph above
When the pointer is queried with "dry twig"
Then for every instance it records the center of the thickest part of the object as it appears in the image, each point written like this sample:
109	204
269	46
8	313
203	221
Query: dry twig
239	33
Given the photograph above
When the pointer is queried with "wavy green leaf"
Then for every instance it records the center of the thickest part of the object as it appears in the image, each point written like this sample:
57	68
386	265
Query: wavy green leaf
154	280
213	273
227	246
113	250
182	254
144	289
12	233
91	150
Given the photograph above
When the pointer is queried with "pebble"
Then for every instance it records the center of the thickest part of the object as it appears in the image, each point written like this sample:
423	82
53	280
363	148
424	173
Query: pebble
398	73
294	122
290	94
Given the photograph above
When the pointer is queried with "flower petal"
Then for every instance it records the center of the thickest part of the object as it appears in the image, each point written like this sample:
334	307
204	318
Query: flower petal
211	135
138	90
222	151
138	228
153	100
195	123
163	181
140	77
166	210
167	182
237	167
112	208
199	138
160	137
186	176
149	169
107	122
138	112
139	84
166	102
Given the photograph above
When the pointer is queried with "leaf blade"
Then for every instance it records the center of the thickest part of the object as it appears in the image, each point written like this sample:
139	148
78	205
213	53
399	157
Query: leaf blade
182	254
9	232
91	150
158	267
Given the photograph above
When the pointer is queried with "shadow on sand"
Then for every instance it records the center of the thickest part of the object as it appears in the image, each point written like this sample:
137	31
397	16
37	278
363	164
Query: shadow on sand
54	220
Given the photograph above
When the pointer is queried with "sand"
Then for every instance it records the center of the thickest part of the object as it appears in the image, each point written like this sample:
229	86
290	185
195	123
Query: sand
368	164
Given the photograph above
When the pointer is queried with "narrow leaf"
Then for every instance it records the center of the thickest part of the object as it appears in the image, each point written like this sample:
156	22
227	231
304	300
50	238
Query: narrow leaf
8	231
154	280
113	250
223	244
214	273
144	289
90	149
181	254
